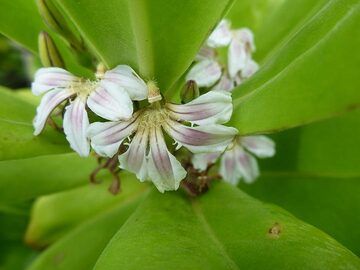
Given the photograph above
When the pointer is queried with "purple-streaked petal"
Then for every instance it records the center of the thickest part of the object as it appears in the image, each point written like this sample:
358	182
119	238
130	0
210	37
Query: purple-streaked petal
201	139
50	78
203	160
127	78
260	146
48	103
221	36
225	84
205	73
164	170
75	124
134	159
110	101
250	68
107	137
246	36
214	107
205	53
237	57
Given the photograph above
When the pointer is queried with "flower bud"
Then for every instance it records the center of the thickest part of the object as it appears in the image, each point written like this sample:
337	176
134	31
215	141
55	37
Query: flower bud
189	92
48	52
56	21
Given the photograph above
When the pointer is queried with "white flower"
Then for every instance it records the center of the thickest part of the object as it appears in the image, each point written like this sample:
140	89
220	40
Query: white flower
109	96
147	155
208	69
237	162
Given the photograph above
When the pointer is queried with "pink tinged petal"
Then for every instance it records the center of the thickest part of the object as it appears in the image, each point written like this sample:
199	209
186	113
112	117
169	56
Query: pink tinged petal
50	78
107	137
48	103
261	146
225	84
75	124
203	160
228	168
127	78
134	159
237	57
110	101
205	53
246	164
201	139
164	170
246	36
214	107
205	73
250	69
221	36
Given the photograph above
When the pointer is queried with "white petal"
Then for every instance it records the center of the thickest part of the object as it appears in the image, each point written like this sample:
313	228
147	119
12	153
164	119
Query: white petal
201	139
134	159
48	103
225	84
110	101
237	57
246	36
250	69
50	78
205	53
228	168
261	146
127	78
205	73
107	137
214	107
221	36
203	160
75	124
164	170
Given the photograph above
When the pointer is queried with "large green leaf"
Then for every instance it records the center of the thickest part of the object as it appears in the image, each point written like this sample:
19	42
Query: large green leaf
158	38
311	76
16	131
224	229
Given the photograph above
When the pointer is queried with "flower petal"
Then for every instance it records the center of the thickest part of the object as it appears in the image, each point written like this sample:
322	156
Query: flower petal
225	84
50	78
237	57
250	69
221	36
201	139
134	159
261	146
203	160
48	103
127	78
164	170
214	107
205	73
246	36
205	53
107	137
75	124
110	101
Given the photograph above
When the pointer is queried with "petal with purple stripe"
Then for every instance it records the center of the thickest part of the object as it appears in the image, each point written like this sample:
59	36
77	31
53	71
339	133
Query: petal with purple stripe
48	103
221	36
75	124
205	73
237	56
225	84
50	78
214	107
110	101
261	146
127	78
164	170
201	139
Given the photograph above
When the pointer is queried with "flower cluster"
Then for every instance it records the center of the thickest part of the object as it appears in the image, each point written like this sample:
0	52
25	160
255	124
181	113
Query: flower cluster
237	162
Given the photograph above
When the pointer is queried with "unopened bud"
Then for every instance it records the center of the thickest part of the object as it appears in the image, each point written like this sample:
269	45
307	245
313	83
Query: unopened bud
56	21
189	92
153	92
48	52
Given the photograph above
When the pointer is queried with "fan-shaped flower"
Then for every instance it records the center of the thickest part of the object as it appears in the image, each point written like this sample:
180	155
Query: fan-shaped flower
147	155
109	96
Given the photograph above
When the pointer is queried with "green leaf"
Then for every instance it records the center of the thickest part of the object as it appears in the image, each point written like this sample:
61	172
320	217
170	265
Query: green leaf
55	215
88	240
311	76
170	232
16	131
158	38
24	179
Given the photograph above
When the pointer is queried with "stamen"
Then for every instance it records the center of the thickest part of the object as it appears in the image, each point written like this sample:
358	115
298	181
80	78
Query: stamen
100	71
153	92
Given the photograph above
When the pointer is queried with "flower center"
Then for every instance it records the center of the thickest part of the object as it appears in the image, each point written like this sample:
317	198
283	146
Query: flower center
83	87
153	116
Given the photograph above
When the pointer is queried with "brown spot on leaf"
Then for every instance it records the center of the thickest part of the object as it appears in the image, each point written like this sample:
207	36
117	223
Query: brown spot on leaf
275	230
